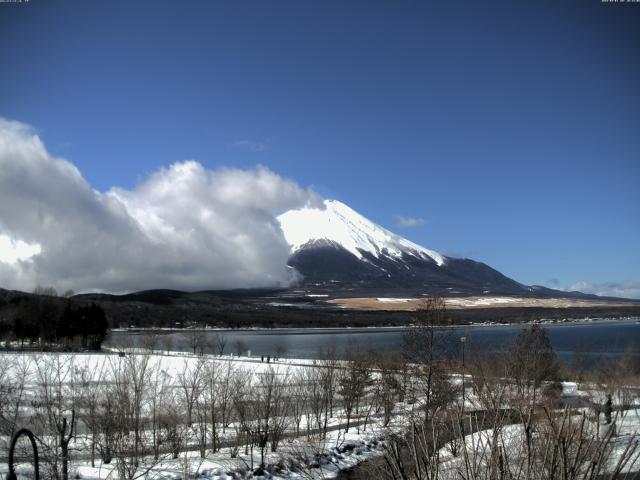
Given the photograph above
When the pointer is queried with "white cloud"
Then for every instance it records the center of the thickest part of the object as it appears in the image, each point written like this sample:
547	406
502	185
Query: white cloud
185	227
409	222
626	289
12	251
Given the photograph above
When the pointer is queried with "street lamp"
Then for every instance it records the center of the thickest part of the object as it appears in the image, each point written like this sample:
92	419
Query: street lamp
463	340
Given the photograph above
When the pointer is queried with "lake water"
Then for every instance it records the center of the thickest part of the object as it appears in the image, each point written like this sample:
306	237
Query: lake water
592	340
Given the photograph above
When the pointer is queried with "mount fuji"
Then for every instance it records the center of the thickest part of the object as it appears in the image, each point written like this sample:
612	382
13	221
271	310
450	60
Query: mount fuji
336	249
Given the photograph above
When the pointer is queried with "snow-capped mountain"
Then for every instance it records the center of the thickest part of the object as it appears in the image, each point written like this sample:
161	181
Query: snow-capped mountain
358	235
337	248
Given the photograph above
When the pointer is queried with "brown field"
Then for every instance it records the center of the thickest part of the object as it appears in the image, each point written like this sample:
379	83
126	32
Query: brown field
456	303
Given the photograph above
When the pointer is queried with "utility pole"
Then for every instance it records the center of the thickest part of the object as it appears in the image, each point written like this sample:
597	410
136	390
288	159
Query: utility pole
463	340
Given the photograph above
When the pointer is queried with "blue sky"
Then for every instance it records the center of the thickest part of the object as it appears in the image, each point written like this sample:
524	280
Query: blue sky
509	128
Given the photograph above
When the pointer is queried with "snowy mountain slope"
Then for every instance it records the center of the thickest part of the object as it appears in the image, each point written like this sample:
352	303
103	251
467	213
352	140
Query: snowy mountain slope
358	235
336	248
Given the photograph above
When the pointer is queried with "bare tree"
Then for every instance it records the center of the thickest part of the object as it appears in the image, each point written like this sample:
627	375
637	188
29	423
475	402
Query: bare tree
195	340
279	350
245	423
45	291
533	362
415	453
211	403
91	382
228	381
15	372
172	431
149	342
106	423
317	382
325	379
192	385
131	378
219	342
161	399
271	408
388	387
426	349
167	343
298	397
240	346
54	411
353	379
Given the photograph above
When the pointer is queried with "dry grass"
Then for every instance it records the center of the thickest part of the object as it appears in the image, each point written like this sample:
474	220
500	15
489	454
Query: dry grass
477	302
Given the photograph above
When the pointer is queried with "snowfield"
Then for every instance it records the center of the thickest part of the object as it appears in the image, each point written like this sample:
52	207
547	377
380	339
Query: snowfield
302	452
338	223
303	457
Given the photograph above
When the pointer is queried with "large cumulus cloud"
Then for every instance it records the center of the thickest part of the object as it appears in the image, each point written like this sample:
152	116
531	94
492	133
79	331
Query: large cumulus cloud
185	227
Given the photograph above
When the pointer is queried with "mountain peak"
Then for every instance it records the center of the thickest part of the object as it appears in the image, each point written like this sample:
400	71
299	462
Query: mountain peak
336	249
339	223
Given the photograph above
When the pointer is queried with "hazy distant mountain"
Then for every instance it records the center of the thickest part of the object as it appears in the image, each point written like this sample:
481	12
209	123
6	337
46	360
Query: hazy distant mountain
336	248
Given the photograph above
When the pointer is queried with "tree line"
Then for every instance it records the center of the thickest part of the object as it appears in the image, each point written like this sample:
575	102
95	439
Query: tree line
44	320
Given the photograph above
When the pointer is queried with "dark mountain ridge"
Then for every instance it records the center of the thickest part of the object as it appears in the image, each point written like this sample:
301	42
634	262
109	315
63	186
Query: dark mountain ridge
326	267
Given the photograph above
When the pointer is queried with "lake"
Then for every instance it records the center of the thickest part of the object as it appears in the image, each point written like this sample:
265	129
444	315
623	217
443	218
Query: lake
592	340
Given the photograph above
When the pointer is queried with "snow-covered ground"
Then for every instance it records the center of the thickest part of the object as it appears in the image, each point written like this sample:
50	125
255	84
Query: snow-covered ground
314	459
304	456
476	452
310	456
